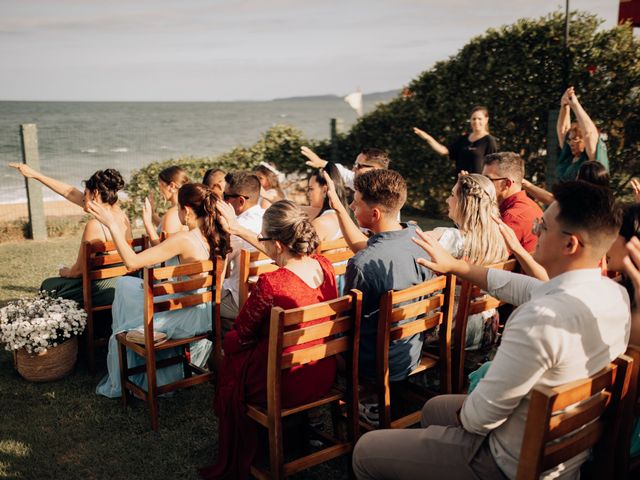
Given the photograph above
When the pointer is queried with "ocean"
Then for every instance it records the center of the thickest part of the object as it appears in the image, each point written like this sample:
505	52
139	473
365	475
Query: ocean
77	138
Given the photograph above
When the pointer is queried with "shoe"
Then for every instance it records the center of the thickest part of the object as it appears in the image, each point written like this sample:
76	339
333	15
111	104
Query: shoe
369	413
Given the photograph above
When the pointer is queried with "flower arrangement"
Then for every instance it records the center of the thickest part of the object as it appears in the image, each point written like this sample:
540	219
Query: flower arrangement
39	323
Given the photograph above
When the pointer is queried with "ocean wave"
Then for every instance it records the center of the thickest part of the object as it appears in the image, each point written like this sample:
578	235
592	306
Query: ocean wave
119	150
89	150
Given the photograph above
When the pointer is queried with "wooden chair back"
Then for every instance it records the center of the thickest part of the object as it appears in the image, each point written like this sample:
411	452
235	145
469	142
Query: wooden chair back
340	335
251	265
337	252
202	285
554	433
101	261
627	466
472	301
405	313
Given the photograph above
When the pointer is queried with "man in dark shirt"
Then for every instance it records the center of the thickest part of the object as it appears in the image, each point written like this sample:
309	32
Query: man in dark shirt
388	262
506	171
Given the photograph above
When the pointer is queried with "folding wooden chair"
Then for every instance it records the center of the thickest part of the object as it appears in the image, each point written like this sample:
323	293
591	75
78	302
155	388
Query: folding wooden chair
472	301
421	307
554	433
341	334
165	281
627	466
101	261
252	264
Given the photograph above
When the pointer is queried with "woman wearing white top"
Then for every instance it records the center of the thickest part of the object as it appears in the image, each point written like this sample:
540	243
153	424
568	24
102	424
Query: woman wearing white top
325	219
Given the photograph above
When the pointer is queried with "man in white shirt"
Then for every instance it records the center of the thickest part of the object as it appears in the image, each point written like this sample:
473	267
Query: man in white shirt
563	330
242	192
368	159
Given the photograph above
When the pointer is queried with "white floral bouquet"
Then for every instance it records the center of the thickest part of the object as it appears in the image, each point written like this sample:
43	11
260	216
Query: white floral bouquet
36	324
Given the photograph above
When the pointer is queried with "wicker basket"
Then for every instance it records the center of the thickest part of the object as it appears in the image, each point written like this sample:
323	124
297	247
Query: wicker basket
54	364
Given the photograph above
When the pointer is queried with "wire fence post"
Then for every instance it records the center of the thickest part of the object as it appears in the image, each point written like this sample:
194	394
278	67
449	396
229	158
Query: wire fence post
334	139
552	148
29	140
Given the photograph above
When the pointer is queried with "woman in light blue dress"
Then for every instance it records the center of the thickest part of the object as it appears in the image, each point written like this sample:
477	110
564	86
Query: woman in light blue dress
205	239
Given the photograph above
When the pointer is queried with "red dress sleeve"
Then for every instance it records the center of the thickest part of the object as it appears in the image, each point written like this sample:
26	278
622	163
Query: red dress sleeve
249	324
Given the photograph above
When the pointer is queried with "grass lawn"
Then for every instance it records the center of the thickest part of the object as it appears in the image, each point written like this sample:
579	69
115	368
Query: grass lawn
64	430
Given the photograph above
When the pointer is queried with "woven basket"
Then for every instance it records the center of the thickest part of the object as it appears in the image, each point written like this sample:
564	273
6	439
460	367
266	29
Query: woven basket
54	364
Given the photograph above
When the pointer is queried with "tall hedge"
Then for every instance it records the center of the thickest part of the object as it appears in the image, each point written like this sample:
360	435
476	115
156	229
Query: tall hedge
517	71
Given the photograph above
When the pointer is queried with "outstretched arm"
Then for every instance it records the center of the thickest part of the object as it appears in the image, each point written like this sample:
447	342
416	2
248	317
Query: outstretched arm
433	143
350	231
67	191
563	125
538	193
589	130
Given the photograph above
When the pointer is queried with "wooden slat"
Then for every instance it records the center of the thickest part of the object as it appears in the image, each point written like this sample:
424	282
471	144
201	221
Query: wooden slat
104	260
184	286
258	270
316	352
185	382
101	308
108	273
257	255
101	247
316	458
574	392
336	257
411	328
333	245
316	332
407	420
182	302
340	269
185	269
414	309
420	290
176	342
425	363
569	421
483	305
564	450
314	312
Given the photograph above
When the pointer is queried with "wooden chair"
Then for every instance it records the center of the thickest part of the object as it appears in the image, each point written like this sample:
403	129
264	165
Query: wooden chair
342	335
472	301
423	306
554	435
164	281
252	264
627	466
337	252
101	261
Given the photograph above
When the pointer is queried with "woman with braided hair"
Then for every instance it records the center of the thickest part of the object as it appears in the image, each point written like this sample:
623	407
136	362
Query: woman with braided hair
302	279
204	240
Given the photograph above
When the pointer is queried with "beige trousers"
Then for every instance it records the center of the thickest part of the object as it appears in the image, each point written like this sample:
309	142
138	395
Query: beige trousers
441	449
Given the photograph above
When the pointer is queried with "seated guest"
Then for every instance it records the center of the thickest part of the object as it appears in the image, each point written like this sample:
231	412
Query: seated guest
169	182
506	171
564	330
325	220
242	192
101	188
215	178
368	159
592	172
204	240
270	191
302	279
580	140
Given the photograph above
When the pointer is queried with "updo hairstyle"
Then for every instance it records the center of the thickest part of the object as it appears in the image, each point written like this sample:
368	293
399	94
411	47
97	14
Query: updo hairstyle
286	222
106	183
174	174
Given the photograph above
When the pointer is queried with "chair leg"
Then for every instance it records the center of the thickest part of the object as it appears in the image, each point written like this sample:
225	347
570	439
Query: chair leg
152	397
122	357
276	451
186	358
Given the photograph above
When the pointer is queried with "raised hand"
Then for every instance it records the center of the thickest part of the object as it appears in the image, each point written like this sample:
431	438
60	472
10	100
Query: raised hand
441	261
635	186
564	100
572	98
462	173
24	169
334	200
421	133
227	218
102	214
314	161
509	236
147	211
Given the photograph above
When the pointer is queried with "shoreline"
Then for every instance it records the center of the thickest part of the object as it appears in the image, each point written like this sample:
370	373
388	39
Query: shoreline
55	208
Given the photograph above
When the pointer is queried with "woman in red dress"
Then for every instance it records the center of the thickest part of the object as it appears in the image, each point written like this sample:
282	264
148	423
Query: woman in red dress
302	279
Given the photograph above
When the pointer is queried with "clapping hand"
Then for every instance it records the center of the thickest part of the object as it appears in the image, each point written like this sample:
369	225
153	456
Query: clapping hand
102	214
147	211
314	161
227	218
509	236
635	186
334	200
441	261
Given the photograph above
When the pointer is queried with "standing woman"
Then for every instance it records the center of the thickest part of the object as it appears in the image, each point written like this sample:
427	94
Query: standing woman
468	151
270	191
102	189
169	182
204	240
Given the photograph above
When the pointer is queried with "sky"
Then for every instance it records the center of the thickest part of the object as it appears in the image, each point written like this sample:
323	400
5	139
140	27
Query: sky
209	50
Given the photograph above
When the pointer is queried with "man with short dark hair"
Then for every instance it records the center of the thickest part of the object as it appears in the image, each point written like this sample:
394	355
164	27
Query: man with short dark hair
506	171
387	262
368	159
242	192
563	330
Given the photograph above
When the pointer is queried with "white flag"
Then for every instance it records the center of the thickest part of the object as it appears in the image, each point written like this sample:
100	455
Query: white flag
355	101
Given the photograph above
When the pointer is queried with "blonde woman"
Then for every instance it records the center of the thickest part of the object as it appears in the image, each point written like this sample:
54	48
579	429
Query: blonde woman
270	191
